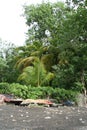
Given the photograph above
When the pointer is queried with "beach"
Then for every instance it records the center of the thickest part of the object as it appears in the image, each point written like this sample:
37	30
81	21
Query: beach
13	117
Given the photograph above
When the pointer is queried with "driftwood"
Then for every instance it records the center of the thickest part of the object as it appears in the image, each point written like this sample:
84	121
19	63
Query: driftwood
3	99
26	102
8	99
16	101
37	101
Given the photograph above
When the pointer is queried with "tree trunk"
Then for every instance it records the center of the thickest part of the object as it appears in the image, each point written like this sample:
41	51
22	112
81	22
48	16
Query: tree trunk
38	77
83	82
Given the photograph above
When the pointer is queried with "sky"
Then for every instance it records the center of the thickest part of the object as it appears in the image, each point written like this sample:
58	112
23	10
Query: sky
13	26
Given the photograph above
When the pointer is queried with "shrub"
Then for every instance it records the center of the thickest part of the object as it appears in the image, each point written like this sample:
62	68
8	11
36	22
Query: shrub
4	87
19	90
25	92
39	92
62	94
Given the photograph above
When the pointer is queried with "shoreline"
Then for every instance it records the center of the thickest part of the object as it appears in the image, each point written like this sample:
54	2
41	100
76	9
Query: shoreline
42	118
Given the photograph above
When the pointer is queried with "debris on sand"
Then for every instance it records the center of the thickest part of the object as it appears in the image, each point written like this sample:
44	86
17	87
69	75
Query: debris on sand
3	99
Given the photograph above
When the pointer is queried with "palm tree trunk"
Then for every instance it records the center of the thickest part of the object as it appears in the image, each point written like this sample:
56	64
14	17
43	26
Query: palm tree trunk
38	76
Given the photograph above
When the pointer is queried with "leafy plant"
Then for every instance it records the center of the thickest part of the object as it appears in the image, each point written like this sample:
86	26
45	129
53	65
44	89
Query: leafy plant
18	90
35	75
4	88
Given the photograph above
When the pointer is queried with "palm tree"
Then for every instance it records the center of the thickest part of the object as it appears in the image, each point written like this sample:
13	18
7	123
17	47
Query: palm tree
36	63
36	74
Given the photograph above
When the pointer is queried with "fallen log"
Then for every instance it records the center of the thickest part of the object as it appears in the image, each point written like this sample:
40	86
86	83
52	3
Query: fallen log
37	101
3	99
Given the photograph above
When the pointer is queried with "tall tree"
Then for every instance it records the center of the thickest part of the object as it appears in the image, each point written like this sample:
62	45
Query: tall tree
7	71
44	21
73	49
35	75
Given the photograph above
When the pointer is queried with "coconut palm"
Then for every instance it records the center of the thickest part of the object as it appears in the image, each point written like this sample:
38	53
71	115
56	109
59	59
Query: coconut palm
35	75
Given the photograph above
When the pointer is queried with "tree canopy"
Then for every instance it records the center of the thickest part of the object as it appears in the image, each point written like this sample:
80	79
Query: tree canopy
57	37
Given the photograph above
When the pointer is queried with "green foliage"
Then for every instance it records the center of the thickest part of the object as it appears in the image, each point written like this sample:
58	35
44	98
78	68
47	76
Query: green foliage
78	86
39	92
25	92
72	65
3	68
64	76
62	94
55	53
34	93
4	88
18	90
7	62
36	74
43	20
43	92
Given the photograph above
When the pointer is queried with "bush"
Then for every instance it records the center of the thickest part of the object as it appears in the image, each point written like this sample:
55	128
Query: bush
4	88
25	92
18	90
62	94
54	93
39	92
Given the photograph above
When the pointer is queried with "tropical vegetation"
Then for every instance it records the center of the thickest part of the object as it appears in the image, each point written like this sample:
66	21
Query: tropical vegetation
53	61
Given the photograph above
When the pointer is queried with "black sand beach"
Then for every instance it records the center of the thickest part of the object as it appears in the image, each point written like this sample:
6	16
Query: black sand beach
42	118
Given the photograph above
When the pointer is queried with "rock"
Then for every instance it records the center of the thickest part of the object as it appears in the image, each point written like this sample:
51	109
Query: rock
68	103
66	118
48	117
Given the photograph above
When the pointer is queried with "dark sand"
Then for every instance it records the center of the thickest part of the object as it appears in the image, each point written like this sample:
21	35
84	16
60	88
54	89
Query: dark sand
42	118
